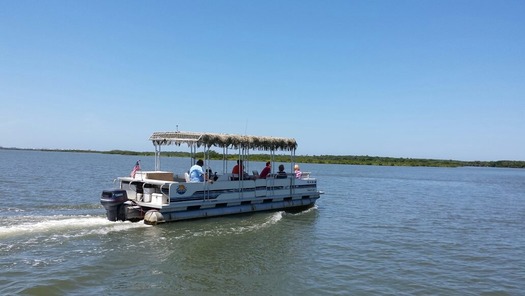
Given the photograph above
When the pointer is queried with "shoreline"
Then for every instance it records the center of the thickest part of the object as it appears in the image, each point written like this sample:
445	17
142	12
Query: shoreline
319	159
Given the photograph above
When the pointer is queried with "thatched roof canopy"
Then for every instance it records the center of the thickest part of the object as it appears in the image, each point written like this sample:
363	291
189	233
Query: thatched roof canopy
223	140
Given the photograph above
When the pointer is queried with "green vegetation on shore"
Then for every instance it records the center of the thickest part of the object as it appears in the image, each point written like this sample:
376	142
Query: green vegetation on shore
324	159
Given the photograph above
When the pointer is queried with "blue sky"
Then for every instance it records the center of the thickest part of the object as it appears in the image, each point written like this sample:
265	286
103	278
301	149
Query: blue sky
418	79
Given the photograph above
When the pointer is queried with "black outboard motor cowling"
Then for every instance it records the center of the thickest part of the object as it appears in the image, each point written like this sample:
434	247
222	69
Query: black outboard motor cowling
113	201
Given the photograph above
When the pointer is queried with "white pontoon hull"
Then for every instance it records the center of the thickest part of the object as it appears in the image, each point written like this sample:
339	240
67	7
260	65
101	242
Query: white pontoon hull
177	200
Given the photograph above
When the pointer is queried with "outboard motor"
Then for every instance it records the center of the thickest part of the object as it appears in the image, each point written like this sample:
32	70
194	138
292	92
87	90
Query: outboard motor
113	202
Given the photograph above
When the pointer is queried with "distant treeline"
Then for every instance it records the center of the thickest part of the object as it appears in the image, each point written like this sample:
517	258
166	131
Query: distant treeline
392	161
324	159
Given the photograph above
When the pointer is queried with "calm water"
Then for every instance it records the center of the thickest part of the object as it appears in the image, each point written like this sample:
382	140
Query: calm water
376	231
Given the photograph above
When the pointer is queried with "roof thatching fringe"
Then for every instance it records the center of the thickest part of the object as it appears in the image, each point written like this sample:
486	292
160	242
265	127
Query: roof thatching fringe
223	141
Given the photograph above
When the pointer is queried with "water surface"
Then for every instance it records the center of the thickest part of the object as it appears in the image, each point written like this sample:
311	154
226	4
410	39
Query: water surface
376	231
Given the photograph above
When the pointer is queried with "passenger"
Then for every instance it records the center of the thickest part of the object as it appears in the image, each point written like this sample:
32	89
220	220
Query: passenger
265	171
196	172
281	174
238	168
298	173
238	172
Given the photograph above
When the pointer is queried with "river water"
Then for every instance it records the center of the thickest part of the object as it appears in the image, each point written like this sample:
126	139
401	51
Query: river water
375	231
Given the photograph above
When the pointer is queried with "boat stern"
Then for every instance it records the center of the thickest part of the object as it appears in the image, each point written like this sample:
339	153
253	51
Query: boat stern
113	201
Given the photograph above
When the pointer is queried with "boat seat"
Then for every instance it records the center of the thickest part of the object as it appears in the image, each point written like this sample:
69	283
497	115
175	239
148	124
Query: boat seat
255	173
237	177
223	177
187	177
281	176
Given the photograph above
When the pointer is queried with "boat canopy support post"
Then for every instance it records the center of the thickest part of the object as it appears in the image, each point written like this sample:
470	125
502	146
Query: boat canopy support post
224	160
193	151
157	156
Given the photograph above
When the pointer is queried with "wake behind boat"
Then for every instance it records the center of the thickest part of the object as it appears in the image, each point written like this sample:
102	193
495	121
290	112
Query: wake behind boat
159	196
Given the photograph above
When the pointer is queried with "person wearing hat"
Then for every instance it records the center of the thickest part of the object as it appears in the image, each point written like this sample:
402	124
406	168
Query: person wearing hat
298	172
196	172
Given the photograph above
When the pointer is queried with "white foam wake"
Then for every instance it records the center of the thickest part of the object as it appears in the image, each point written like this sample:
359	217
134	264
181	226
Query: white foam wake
240	227
66	225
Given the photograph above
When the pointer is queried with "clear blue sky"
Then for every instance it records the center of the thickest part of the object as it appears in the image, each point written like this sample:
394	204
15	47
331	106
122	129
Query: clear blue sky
419	79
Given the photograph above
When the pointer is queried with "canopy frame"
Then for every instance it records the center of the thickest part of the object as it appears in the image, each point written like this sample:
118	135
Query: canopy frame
195	140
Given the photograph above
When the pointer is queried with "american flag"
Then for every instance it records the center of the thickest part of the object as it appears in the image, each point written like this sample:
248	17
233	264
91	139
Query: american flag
135	169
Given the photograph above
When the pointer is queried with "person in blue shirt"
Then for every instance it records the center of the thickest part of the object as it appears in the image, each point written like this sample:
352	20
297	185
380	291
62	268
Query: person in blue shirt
196	172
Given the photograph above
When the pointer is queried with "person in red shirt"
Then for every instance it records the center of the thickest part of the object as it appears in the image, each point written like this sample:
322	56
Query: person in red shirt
265	171
238	168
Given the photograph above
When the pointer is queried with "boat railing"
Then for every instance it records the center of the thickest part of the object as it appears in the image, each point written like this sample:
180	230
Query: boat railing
305	175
